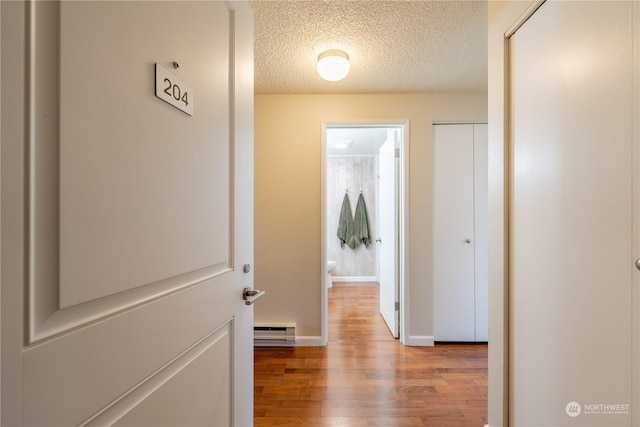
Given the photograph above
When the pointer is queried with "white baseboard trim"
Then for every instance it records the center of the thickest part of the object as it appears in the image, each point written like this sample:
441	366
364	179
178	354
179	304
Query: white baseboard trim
420	341
273	344
355	279
309	342
300	342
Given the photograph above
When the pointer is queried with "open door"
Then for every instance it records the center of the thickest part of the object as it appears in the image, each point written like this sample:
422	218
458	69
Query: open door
126	222
388	238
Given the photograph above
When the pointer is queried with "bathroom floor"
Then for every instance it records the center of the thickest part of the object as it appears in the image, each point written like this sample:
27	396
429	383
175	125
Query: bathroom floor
365	377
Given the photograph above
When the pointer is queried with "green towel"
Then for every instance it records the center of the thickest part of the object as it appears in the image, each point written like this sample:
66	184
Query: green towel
345	225
361	223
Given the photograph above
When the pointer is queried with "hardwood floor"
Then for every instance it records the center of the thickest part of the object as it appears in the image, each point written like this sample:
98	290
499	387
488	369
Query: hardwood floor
365	377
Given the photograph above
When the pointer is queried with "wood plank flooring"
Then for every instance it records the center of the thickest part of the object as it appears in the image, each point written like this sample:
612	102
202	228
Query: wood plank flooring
365	377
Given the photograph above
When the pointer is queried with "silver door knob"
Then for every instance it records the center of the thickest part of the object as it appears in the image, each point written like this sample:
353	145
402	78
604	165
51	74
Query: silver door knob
468	240
638	263
251	295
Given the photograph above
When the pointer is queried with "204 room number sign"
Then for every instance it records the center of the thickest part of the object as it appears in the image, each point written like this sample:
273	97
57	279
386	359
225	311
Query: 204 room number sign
173	90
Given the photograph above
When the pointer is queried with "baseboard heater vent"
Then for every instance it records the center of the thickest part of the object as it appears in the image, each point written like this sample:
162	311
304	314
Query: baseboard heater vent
274	335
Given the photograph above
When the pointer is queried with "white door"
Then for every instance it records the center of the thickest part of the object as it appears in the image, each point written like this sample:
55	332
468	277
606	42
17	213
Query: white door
388	226
571	259
125	221
453	234
481	230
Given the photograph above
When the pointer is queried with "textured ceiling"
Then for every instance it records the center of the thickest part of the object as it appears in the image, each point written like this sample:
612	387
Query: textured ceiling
395	46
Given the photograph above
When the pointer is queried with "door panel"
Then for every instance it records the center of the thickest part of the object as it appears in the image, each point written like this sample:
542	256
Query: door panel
481	230
453	234
389	292
123	154
138	216
571	215
206	404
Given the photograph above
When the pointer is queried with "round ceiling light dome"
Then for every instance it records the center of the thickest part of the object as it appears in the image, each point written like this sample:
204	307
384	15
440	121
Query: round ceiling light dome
333	65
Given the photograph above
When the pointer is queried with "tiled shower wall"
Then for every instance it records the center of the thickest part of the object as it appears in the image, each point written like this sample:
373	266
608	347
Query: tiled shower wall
352	173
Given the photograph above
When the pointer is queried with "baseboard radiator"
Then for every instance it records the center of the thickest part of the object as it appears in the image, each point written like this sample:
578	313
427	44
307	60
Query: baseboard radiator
274	335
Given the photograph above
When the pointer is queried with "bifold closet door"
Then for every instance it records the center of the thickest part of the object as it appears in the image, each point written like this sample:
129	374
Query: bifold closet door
481	229
453	234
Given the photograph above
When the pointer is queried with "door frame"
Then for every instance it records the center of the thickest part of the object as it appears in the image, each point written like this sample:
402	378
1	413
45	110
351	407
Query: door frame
403	220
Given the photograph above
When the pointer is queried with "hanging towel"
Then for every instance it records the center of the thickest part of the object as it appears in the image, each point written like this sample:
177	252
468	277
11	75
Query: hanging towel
345	225
361	223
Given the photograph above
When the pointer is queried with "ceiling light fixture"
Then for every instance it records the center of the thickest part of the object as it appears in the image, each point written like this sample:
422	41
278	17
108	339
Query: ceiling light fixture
333	65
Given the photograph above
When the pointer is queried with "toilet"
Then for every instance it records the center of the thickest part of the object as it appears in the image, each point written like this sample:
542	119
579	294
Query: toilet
331	266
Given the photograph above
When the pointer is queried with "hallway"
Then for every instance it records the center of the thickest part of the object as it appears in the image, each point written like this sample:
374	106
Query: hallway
364	377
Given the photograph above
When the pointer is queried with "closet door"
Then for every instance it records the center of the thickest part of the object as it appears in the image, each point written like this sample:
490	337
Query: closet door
481	230
453	234
573	216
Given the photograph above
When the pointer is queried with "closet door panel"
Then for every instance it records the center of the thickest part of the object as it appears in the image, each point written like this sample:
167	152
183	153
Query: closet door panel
481	226
453	234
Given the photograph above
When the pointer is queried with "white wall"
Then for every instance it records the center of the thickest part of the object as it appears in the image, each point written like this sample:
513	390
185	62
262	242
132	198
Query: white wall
288	159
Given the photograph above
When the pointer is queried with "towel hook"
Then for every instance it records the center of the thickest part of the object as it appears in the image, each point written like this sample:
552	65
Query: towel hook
346	190
360	189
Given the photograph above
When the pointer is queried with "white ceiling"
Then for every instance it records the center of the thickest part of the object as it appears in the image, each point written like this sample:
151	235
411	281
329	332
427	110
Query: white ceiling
400	46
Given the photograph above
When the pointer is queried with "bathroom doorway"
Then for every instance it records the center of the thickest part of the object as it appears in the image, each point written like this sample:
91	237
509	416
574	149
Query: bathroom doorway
363	172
